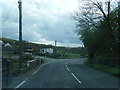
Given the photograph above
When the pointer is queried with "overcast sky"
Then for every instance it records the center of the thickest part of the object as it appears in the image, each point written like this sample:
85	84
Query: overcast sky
44	21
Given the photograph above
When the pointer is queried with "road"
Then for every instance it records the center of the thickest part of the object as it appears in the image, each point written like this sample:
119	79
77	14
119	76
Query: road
69	73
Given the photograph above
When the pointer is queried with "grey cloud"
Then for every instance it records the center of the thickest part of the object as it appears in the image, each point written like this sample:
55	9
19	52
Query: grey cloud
40	22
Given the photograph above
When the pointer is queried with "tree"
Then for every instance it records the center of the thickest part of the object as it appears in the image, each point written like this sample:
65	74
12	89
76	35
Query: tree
118	30
94	27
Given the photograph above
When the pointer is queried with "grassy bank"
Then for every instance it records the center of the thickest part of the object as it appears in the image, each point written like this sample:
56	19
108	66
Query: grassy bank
113	70
16	68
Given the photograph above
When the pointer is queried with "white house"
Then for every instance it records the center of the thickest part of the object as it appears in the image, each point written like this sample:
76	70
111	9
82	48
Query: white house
46	50
28	52
8	45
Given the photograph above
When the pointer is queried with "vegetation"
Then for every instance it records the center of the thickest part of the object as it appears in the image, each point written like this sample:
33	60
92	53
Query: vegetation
99	30
16	68
79	50
105	68
69	53
70	56
15	43
27	57
72	52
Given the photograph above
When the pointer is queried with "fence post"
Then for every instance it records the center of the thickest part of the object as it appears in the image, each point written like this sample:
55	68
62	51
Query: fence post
7	73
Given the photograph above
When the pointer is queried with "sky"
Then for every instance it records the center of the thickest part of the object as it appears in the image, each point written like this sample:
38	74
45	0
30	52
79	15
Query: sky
44	21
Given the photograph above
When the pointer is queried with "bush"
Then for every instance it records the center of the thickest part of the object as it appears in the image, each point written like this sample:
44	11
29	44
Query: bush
16	68
109	61
86	62
53	55
111	70
27	57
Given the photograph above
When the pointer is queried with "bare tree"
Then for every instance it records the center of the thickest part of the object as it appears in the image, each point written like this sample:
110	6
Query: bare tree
92	11
90	17
86	17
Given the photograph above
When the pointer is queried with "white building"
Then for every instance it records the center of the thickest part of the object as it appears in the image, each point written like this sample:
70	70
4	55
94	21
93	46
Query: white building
46	50
28	53
8	45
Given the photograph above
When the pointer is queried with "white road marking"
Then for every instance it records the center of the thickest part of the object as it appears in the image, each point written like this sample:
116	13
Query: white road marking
67	67
32	74
73	74
76	78
39	68
35	72
20	84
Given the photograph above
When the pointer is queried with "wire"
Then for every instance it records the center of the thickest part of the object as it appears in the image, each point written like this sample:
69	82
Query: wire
8	13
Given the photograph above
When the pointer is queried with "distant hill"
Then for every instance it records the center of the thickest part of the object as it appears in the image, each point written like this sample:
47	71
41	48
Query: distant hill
71	49
59	49
16	42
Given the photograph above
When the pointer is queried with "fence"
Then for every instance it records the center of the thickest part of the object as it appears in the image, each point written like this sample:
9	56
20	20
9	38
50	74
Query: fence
34	63
8	69
6	72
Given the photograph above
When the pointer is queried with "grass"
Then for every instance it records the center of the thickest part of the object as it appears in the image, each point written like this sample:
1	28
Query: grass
110	70
104	68
70	56
16	68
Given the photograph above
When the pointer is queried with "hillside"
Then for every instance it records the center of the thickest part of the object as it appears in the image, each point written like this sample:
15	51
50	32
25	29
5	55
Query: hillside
74	50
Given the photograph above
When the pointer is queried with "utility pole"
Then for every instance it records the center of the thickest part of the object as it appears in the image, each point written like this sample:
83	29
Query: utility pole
55	46
55	43
20	35
82	51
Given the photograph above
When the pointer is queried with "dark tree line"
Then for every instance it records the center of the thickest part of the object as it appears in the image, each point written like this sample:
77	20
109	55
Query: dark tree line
98	26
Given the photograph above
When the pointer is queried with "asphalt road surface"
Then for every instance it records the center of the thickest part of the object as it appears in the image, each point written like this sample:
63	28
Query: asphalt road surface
69	73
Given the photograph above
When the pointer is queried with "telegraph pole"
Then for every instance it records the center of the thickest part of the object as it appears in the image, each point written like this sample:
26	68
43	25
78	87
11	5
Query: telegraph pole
55	46
55	43
20	35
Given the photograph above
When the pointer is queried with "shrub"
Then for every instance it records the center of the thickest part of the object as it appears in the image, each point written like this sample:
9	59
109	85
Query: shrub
27	57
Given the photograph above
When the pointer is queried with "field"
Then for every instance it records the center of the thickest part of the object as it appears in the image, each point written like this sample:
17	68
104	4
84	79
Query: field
70	56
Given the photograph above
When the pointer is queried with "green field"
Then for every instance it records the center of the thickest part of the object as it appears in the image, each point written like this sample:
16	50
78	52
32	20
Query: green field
70	56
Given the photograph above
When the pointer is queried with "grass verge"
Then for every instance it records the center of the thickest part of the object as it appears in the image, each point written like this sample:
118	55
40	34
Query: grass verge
115	71
16	68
